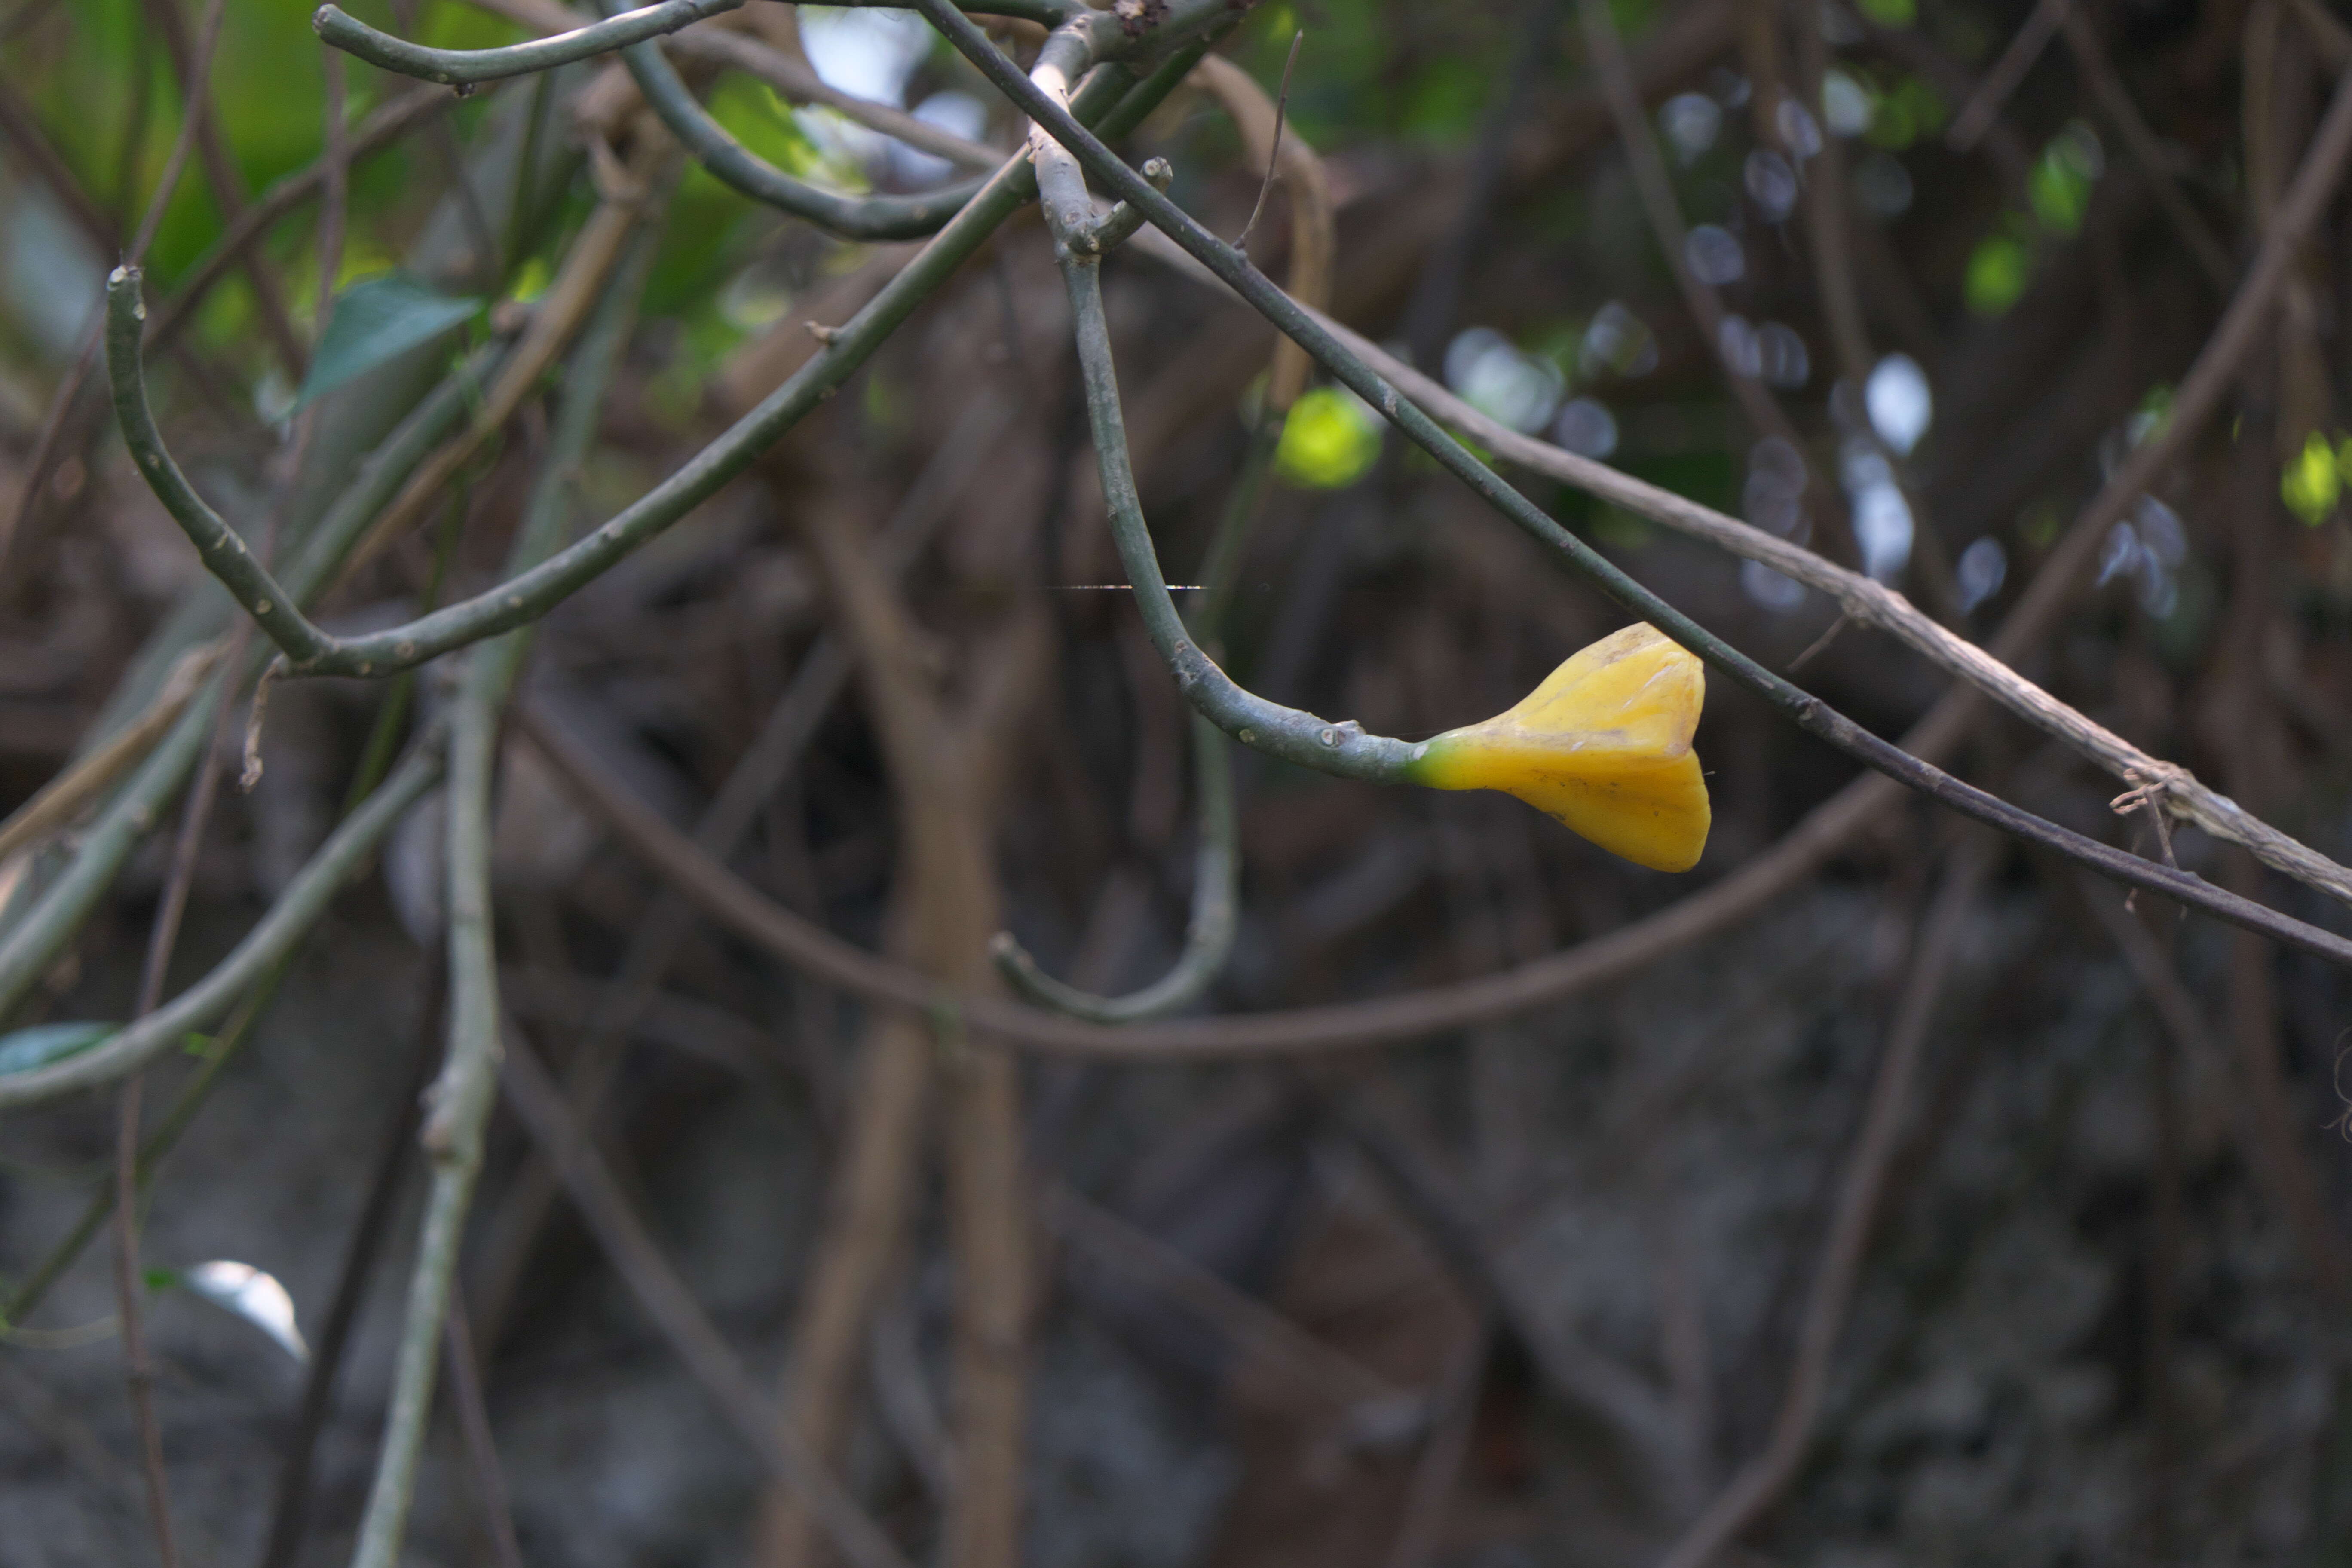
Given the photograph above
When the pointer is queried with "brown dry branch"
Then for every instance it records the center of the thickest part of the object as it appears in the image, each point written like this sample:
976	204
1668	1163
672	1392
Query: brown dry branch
2271	1144
2155	166
1978	113
945	912
663	1299
1323	1372
379	129
58	801
1762	1481
1829	229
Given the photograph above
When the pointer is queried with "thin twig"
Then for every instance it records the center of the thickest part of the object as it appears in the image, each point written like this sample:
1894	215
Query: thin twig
2269	1141
2108	89
191	62
1274	150
384	125
57	802
481	1448
50	446
289	1514
1826	220
1977	115
1313	216
1437	1475
1328	1374
129	1282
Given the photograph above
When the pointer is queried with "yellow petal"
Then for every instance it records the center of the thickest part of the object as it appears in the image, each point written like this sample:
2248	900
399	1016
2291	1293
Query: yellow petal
1603	745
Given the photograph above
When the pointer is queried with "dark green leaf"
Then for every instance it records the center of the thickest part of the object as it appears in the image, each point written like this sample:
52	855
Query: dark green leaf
376	320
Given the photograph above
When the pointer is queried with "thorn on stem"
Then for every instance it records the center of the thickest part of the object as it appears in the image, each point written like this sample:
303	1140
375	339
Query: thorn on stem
822	333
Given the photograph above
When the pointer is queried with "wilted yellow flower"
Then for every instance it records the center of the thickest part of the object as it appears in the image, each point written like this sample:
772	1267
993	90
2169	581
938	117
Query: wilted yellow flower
1604	744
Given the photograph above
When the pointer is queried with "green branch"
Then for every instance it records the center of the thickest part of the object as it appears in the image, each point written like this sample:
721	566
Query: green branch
853	218
34	940
463	68
528	595
1358	755
1208	936
305	897
461	1097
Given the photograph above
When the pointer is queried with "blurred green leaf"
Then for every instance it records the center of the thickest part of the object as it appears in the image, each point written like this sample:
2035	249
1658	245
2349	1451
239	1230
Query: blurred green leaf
1328	441
1998	270
1907	110
24	1049
2310	484
2059	186
376	322
1889	13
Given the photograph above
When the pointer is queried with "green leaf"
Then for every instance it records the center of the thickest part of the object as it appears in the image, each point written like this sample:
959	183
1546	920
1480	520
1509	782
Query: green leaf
38	1047
376	322
2309	484
1328	440
1998	270
1889	13
2059	186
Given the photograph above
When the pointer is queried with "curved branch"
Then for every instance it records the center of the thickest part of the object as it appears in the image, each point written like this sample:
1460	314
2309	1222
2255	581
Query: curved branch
1208	938
1312	219
734	905
530	594
223	554
791	80
161	734
1360	755
463	68
854	217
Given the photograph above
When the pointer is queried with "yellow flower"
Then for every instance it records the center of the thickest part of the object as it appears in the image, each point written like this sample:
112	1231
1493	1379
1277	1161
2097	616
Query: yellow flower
1604	745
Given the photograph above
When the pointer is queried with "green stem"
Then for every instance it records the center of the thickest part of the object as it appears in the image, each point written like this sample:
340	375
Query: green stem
1216	868
35	938
297	909
529	594
1353	754
1209	936
461	1097
463	68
